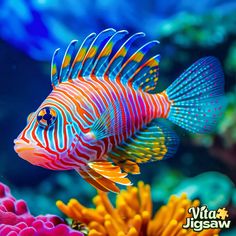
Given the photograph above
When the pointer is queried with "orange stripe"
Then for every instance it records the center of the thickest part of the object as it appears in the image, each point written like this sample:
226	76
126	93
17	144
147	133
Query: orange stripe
76	87
167	101
162	105
155	111
79	109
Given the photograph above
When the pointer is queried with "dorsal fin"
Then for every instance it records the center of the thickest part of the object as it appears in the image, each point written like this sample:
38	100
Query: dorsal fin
58	76
132	64
100	57
95	47
65	66
69	70
116	61
54	70
146	77
77	63
101	62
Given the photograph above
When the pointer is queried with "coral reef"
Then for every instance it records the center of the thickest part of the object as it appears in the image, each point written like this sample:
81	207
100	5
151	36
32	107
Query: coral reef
41	198
218	189
16	220
132	215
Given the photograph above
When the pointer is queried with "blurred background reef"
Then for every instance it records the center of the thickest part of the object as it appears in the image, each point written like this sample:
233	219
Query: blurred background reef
204	166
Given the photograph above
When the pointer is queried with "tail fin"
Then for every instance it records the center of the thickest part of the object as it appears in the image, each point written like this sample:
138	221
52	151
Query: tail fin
197	96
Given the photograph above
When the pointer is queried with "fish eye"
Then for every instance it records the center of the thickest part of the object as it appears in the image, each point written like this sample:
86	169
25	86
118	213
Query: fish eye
46	116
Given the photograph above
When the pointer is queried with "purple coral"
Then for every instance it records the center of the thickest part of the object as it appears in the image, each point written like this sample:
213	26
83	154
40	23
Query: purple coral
16	220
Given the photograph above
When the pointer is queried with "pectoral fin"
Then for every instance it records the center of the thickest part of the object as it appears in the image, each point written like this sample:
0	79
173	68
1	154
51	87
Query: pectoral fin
107	124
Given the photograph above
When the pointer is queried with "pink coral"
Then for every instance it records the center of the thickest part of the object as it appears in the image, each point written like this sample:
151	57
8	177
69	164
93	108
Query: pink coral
16	220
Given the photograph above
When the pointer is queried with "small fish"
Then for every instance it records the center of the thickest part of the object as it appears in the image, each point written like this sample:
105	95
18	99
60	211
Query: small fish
104	116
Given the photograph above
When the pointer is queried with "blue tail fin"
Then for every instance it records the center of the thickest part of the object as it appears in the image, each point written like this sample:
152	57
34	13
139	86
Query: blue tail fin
197	96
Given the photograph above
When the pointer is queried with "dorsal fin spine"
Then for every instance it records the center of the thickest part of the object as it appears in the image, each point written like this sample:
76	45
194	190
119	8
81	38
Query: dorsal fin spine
54	70
95	60
121	52
91	53
77	63
136	57
106	51
137	77
65	66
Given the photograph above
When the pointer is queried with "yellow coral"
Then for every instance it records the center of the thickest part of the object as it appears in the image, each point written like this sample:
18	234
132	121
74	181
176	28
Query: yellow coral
132	215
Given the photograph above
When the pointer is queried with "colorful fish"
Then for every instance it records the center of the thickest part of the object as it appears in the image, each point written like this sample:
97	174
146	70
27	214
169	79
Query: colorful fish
103	114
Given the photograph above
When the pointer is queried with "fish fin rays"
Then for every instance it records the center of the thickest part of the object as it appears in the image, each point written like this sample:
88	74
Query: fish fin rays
101	57
91	180
109	171
197	96
54	69
93	51
127	166
154	142
75	61
146	76
104	176
107	124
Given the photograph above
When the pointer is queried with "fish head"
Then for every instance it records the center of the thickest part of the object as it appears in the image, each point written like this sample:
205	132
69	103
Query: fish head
47	136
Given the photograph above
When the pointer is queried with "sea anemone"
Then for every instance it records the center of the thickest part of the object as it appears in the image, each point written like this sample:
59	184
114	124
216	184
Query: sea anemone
133	215
16	220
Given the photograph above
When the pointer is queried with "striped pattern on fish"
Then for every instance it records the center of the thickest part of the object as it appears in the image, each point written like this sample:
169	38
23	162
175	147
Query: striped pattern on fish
104	107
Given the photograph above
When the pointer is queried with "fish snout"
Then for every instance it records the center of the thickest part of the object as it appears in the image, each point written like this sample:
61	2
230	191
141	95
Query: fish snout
29	152
21	146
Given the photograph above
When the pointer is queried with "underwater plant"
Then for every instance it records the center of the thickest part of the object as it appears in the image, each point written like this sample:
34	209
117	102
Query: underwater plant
16	220
132	215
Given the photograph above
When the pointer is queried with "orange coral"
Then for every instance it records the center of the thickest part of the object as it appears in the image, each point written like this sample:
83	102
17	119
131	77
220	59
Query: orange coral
132	215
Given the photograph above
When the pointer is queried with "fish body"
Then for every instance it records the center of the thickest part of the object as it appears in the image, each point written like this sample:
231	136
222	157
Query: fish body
103	114
82	103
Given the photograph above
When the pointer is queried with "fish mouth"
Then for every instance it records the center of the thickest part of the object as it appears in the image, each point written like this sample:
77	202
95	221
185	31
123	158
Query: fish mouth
30	152
22	146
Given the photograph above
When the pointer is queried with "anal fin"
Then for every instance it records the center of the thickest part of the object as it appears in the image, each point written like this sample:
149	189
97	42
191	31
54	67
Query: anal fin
92	181
127	166
103	175
98	181
110	172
